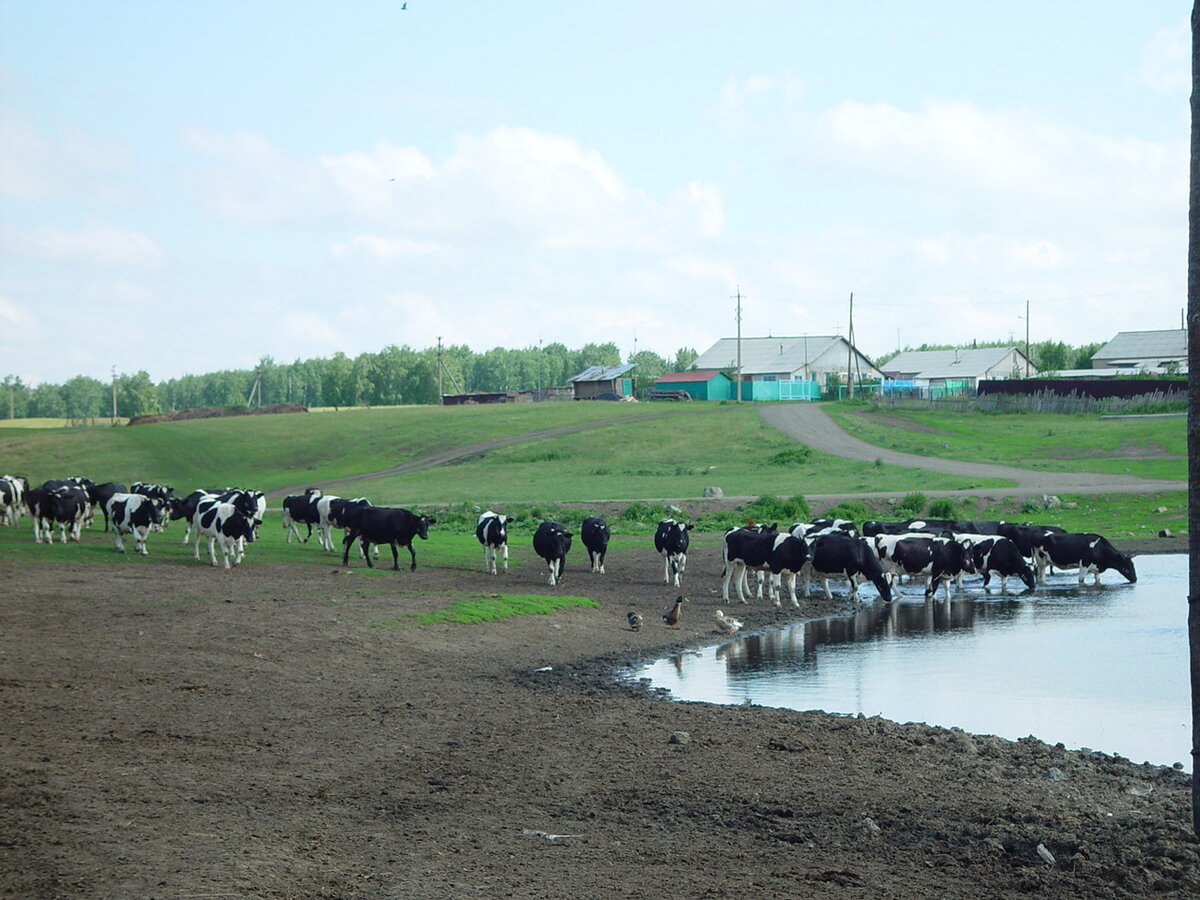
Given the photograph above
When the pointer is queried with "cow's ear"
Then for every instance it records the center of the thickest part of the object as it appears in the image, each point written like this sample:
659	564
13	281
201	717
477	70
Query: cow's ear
431	521
689	526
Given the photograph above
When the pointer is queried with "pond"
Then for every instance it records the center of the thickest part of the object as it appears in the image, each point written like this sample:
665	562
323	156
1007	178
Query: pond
1103	667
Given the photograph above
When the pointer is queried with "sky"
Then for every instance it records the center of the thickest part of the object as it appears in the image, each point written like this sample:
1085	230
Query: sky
187	187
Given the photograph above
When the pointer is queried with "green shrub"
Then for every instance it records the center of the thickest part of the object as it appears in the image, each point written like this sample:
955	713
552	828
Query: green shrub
943	508
913	504
794	456
854	510
645	512
766	510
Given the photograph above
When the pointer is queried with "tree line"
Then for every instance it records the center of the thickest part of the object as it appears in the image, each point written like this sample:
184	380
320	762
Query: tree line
395	375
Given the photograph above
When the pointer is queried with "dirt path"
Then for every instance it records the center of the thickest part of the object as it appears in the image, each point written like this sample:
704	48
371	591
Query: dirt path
810	424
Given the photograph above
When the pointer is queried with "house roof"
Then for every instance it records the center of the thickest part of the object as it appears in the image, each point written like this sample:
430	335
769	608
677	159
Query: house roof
1138	345
767	355
603	373
688	377
949	363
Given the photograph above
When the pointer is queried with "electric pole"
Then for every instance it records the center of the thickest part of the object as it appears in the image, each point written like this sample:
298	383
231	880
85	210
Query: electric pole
739	343
1027	339
114	395
439	368
850	351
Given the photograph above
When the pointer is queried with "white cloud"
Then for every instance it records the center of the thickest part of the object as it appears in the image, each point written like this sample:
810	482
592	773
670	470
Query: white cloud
1166	66
383	248
738	95
36	164
18	319
94	243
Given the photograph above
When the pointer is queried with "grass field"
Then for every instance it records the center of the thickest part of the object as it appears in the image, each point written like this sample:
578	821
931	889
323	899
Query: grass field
621	452
1147	447
625	451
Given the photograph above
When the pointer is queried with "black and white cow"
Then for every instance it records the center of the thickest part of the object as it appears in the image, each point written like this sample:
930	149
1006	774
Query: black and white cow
163	492
75	482
993	553
491	530
185	508
66	506
252	503
938	560
333	512
99	494
134	514
551	542
783	556
595	535
850	557
1087	552
301	510
384	525
671	540
12	498
225	524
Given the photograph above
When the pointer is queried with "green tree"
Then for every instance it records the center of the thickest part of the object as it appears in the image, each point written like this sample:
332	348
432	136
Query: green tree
46	401
685	358
137	395
84	397
650	367
14	404
337	381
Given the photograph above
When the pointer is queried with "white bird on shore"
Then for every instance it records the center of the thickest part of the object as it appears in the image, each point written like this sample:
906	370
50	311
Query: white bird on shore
727	624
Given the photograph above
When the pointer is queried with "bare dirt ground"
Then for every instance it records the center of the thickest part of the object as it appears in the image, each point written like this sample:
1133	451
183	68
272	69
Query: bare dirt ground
171	730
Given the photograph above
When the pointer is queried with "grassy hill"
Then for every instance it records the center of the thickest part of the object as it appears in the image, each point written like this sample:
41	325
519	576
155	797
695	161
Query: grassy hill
618	451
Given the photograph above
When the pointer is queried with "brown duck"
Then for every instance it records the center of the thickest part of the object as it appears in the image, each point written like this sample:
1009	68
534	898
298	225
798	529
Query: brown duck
674	613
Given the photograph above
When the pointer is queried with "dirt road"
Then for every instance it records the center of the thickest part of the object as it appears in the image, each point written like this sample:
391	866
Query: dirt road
810	424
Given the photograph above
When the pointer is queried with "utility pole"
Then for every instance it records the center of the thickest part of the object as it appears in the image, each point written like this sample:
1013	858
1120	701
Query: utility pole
114	397
1026	338
439	368
739	343
850	352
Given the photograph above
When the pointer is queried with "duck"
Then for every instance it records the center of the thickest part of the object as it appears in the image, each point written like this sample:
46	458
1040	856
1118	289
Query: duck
634	619
674	613
727	624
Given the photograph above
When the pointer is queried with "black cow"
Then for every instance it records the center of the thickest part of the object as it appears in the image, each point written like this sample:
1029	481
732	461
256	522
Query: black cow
551	542
940	560
993	553
99	495
1026	537
301	510
671	540
66	506
185	508
163	492
384	525
1086	552
491	530
595	534
134	514
850	557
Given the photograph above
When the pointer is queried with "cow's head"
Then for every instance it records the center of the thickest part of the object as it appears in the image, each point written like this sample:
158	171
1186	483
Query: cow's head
1123	563
423	523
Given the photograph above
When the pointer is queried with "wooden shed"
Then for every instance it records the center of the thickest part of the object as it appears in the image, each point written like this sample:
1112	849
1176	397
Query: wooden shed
604	382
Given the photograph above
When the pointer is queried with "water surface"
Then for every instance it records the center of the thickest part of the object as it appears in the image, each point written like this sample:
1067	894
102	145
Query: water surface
1104	667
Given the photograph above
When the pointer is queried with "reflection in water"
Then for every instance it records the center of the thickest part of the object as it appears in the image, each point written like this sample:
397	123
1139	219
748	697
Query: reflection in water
1103	667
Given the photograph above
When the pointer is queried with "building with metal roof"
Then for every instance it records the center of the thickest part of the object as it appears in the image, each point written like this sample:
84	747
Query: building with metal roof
1144	351
809	357
963	368
604	382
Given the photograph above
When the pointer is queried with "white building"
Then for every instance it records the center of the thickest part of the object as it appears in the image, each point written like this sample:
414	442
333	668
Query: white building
805	358
962	369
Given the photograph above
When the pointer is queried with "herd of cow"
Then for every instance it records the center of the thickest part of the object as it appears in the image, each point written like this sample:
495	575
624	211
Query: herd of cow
938	551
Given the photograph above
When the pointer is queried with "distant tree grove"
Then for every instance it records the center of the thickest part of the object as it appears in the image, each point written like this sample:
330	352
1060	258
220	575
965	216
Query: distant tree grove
393	376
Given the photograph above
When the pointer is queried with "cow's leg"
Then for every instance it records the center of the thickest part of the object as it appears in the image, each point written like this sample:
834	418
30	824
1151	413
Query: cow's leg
791	583
725	578
1082	572
666	567
212	551
504	554
141	536
412	552
120	546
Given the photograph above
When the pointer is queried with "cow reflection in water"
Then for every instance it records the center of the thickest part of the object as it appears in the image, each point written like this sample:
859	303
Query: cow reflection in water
797	645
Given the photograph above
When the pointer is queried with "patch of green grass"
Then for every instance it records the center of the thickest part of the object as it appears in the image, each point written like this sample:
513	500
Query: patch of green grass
913	504
491	608
1147	447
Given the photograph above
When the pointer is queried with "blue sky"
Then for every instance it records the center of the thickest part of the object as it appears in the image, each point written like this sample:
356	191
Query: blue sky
189	187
